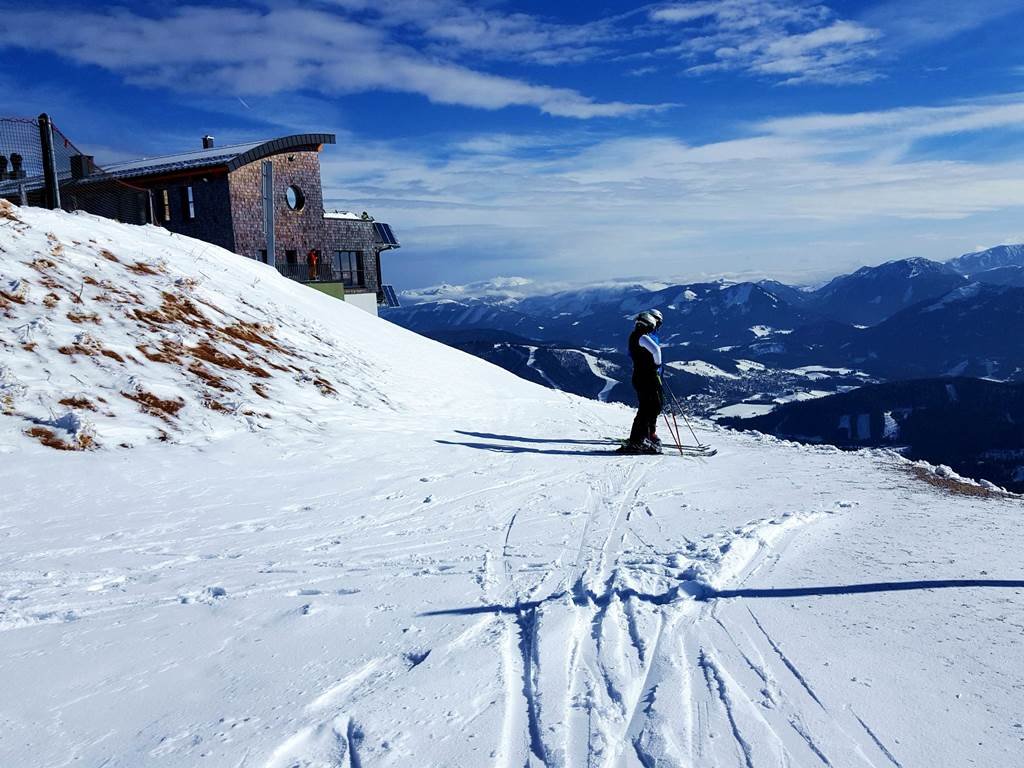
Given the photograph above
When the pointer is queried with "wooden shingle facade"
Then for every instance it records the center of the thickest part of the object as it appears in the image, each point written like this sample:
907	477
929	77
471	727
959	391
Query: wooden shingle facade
264	200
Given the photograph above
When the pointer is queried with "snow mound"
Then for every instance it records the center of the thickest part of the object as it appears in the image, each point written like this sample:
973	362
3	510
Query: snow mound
115	335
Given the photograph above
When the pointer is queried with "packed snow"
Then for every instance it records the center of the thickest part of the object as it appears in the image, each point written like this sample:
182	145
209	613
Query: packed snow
248	525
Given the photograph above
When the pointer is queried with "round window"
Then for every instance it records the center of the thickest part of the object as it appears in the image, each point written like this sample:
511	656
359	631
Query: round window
296	200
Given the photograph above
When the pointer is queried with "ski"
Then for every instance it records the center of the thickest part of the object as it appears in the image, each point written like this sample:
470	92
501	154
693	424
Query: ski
667	448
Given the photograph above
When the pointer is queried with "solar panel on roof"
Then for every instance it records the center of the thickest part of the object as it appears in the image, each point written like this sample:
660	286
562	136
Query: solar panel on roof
390	297
385	233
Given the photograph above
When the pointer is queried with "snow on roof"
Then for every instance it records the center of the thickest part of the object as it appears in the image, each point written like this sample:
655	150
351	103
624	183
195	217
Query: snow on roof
347	215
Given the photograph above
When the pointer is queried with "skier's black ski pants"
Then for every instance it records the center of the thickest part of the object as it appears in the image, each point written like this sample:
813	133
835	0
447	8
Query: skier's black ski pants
648	392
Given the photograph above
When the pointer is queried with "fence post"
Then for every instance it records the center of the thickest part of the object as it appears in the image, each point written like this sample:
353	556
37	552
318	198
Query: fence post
51	193
22	195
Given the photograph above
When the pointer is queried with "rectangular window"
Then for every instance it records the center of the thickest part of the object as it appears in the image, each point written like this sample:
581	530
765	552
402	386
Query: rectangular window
350	266
188	202
263	255
166	198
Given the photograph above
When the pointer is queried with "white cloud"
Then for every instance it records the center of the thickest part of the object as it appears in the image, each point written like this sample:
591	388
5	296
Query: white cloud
789	41
243	52
906	124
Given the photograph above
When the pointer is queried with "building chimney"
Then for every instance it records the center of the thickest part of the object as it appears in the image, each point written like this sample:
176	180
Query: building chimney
207	141
82	166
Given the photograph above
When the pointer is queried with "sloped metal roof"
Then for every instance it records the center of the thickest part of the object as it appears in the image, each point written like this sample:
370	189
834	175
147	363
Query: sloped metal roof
232	157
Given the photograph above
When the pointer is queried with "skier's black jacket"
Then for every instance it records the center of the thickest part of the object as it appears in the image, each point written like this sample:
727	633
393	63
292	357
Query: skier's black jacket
645	367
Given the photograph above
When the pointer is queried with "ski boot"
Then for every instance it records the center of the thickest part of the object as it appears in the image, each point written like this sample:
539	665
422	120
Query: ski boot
649	446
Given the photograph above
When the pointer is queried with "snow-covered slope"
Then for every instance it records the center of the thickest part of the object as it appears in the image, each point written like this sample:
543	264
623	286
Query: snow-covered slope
115	336
424	561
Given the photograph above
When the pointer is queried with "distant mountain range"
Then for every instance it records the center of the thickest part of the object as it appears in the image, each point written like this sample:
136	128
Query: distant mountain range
971	264
727	342
871	294
972	425
974	330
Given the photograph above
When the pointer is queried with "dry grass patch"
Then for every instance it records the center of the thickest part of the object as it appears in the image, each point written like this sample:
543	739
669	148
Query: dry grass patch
8	298
112	355
51	283
7	212
51	439
108	255
207	352
252	333
42	264
112	293
325	387
86	345
51	300
84	317
155	406
142	268
952	485
168	352
78	402
174	309
209	378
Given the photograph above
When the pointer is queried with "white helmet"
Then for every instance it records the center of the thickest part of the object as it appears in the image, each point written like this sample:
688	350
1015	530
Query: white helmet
650	318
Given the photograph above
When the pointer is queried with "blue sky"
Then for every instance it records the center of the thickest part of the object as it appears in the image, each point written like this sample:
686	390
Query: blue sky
577	141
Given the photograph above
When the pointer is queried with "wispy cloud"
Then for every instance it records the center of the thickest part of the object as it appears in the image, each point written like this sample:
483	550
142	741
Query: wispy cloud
790	42
243	52
907	124
457	28
915	22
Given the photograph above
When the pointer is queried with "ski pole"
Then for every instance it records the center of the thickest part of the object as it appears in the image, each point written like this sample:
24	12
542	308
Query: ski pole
675	400
675	435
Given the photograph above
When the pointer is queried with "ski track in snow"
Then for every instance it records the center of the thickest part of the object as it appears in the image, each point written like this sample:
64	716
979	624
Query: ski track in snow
608	657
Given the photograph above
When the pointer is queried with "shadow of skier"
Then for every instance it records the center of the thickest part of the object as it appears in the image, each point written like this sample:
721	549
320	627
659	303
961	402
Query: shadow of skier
500	448
703	593
518	439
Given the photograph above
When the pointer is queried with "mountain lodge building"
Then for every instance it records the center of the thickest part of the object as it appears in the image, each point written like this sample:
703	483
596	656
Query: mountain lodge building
262	200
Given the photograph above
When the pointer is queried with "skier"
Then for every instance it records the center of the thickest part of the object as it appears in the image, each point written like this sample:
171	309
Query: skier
645	351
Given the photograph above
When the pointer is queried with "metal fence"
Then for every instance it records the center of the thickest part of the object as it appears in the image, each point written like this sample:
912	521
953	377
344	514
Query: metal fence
321	272
40	166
